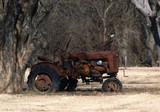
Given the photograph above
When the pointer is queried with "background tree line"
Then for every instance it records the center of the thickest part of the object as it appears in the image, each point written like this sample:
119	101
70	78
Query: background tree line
29	28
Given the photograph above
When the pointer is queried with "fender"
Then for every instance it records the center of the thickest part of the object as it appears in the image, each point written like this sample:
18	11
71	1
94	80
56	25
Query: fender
54	66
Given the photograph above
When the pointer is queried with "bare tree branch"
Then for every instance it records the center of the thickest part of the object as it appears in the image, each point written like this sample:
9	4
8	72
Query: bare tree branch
144	7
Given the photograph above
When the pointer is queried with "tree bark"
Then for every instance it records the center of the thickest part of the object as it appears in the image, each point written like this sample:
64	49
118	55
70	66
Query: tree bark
17	43
143	6
150	10
155	31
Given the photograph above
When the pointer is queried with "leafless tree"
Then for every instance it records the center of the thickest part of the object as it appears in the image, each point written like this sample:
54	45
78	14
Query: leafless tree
21	36
151	10
44	27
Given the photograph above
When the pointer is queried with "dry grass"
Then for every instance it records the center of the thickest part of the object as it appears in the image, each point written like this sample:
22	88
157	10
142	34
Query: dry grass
141	93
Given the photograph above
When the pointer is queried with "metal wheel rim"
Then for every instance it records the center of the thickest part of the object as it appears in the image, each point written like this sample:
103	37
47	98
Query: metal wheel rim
112	87
43	83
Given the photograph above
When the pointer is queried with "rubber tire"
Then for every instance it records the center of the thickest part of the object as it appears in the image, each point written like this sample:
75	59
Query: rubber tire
45	70
115	80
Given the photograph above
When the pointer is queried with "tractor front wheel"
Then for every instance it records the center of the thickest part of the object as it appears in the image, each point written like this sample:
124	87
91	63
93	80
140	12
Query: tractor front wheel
112	85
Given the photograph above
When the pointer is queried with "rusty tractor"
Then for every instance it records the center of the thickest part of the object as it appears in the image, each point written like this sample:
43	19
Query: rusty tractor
47	76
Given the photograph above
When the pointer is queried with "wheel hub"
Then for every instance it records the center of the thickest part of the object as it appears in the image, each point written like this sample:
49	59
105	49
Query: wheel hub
43	82
112	86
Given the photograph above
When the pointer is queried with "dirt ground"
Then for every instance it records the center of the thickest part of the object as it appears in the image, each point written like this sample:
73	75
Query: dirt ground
141	93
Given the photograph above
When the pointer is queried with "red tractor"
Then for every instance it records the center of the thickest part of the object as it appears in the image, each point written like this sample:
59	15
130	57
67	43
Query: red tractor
47	76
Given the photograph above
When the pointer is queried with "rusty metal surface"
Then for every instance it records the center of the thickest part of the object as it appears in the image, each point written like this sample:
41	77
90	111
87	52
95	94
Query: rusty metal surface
94	55
112	86
43	82
109	58
55	66
89	66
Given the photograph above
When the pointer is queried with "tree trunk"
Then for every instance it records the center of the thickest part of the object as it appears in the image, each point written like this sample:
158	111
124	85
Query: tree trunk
155	31
11	70
16	48
21	37
158	40
149	8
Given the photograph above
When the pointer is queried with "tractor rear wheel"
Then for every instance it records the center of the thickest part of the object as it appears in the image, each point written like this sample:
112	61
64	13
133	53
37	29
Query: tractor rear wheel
112	85
43	79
